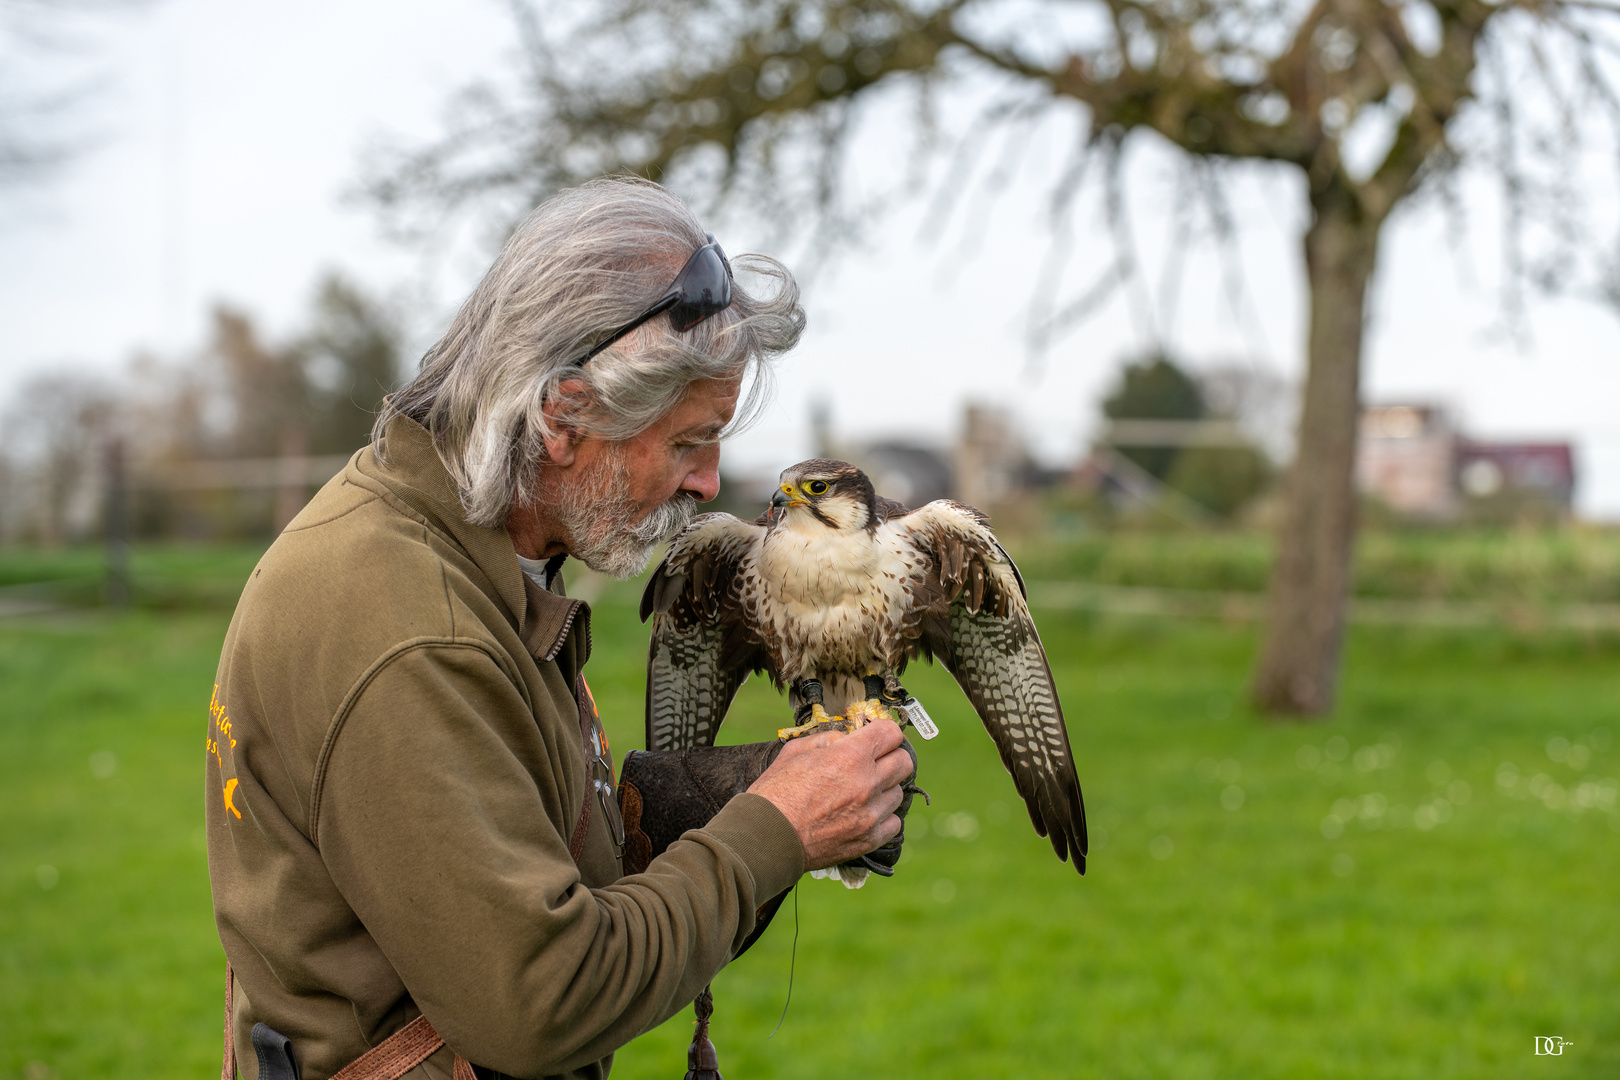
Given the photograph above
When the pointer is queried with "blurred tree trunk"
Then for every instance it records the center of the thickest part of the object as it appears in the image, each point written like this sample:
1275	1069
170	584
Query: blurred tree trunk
116	523
1299	661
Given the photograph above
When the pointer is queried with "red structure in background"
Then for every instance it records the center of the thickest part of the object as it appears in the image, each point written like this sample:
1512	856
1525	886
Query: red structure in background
1414	459
1546	469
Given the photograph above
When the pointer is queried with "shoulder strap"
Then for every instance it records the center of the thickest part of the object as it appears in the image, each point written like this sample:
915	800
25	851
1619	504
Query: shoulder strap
576	843
228	1070
401	1052
586	706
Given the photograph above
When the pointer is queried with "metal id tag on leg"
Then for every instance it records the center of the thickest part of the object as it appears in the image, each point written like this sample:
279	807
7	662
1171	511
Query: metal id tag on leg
919	718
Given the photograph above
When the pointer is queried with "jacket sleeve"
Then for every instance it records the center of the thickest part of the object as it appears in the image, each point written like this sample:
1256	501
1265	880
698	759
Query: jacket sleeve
442	812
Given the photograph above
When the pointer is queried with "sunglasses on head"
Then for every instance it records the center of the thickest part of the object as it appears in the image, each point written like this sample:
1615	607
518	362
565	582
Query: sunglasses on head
701	290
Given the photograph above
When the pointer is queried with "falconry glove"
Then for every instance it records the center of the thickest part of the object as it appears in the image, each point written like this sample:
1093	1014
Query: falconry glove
665	793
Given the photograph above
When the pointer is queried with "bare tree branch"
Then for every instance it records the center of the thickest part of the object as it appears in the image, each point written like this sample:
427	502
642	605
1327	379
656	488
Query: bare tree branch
48	82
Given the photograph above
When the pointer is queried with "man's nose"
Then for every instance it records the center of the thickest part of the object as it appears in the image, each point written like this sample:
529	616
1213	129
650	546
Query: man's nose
703	482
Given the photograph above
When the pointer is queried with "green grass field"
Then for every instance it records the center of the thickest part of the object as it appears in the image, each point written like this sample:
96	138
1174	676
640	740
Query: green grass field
1417	888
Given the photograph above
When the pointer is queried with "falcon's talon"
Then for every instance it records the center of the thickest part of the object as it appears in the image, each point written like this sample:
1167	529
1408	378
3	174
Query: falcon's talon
818	721
813	715
864	712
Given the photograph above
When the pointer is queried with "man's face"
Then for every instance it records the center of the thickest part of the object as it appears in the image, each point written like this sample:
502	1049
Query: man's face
615	501
680	453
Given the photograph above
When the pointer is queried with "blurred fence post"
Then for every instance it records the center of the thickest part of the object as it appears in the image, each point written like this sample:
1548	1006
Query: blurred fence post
117	524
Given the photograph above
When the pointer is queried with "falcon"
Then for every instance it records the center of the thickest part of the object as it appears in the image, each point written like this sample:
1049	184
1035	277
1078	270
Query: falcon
831	592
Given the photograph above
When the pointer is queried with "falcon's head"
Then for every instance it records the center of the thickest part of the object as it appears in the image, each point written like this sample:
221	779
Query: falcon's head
834	493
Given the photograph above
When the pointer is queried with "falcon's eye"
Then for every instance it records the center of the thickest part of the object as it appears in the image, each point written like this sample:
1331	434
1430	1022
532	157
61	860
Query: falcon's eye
816	487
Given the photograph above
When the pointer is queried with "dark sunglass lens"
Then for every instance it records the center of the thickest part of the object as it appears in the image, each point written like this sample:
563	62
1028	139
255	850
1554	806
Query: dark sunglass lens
685	316
704	286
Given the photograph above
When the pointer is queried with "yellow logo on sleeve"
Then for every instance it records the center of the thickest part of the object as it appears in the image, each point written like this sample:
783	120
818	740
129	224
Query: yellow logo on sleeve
220	741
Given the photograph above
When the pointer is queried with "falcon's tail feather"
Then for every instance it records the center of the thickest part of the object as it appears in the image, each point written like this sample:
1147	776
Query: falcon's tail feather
853	877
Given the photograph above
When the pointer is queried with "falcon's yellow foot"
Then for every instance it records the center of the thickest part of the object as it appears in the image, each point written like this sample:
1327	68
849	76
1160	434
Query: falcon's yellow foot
856	716
814	722
864	712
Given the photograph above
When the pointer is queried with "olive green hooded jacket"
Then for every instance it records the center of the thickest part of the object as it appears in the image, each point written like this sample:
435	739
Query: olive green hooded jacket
395	770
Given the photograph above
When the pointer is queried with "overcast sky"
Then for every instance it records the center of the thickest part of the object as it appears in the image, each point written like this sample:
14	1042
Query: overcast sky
232	133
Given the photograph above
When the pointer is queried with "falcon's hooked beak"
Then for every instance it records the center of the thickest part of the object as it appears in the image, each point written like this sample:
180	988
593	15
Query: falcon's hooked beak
786	497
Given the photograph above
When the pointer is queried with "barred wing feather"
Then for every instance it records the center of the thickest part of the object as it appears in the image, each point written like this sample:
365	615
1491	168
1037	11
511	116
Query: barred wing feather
1001	666
971	612
689	687
702	650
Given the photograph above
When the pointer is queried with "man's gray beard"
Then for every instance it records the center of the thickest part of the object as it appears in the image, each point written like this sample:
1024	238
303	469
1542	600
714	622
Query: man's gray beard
598	518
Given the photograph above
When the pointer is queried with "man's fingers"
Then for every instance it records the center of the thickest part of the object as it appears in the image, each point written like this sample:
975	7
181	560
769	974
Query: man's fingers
887	828
895	767
841	791
878	738
881	736
891	798
805	743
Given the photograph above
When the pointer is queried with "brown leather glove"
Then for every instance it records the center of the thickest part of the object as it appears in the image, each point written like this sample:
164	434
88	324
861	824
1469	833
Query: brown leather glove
664	793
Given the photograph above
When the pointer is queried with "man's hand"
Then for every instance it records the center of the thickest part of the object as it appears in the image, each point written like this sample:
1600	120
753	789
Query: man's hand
839	791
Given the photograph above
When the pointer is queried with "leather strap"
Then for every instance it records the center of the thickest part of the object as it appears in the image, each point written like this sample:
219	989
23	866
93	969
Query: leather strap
390	1059
228	1070
586	707
576	845
396	1055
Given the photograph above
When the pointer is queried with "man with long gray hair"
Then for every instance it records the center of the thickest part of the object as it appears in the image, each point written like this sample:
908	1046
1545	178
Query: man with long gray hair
413	839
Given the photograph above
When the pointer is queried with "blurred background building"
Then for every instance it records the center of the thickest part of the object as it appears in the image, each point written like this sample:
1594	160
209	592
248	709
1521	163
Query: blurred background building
1415	460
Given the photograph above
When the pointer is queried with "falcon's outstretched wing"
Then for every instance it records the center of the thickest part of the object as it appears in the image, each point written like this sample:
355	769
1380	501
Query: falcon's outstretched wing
974	616
702	645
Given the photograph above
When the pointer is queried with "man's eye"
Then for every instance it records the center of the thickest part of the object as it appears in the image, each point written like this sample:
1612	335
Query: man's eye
816	487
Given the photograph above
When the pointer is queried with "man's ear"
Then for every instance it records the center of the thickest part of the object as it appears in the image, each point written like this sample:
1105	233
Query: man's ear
561	408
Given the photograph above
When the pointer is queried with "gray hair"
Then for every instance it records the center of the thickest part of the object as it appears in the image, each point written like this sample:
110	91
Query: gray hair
584	263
